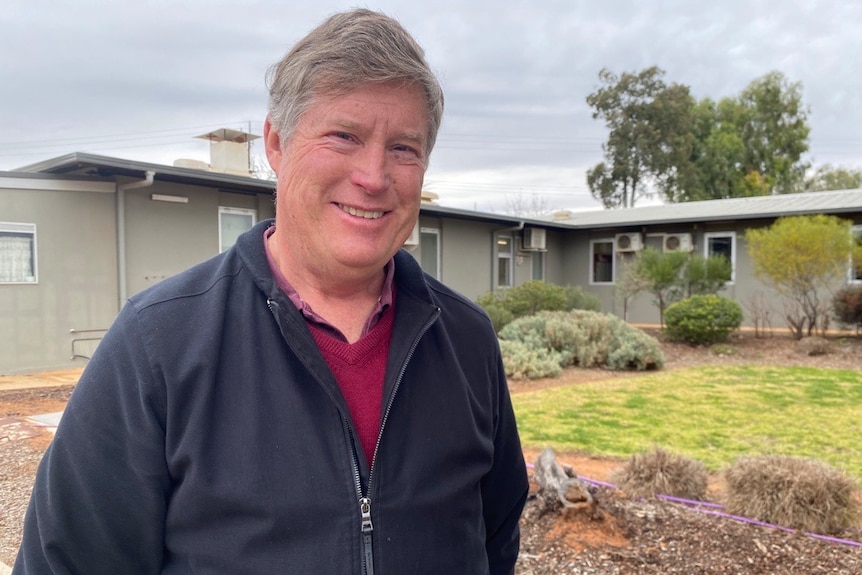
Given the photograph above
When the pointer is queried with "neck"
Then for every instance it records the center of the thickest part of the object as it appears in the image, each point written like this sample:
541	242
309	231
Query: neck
345	298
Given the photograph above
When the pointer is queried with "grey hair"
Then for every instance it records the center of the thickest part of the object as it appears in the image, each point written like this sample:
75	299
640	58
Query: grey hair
347	51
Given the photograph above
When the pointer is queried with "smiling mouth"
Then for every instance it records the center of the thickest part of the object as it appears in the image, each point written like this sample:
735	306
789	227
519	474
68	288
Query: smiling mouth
360	213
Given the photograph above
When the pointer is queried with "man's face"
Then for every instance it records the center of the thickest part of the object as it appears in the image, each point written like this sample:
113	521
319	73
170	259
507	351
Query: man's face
350	178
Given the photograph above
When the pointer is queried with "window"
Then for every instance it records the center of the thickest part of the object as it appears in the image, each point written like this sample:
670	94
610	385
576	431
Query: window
231	223
602	261
17	253
429	251
504	261
722	244
855	272
538	265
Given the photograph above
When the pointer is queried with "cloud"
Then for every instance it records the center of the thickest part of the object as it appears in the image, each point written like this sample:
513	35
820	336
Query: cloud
139	79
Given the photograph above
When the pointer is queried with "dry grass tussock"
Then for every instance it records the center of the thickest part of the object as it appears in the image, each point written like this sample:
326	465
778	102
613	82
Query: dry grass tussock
659	472
792	491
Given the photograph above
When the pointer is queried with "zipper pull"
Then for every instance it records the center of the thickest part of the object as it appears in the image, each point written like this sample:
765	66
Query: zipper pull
365	510
367	528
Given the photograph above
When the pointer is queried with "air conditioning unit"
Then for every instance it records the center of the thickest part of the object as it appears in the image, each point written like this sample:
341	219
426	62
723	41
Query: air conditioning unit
678	243
413	240
628	242
534	239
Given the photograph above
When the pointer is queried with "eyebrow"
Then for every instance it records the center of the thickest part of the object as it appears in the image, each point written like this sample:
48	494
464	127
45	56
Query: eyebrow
416	138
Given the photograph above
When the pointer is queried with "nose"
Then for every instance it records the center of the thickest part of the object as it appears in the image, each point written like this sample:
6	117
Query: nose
370	170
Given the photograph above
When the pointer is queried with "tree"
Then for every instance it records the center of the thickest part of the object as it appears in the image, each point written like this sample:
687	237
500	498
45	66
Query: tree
718	160
706	275
261	169
649	125
750	145
775	131
803	257
527	204
659	273
672	276
828	178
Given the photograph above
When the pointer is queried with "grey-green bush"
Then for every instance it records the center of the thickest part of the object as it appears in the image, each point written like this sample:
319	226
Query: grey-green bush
702	319
523	361
584	338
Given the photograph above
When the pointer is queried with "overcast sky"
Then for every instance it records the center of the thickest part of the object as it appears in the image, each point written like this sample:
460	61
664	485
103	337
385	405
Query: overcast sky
139	79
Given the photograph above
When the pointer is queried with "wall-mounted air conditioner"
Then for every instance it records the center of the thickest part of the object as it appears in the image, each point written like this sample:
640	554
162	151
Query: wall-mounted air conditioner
628	242
534	239
678	243
413	240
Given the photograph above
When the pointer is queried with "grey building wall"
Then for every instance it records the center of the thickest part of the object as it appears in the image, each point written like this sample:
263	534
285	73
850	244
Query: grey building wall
78	261
77	274
555	271
467	262
165	238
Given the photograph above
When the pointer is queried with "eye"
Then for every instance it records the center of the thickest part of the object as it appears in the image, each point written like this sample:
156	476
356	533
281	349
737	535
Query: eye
406	150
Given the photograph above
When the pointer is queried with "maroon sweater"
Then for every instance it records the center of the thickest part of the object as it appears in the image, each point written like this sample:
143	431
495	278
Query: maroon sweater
359	369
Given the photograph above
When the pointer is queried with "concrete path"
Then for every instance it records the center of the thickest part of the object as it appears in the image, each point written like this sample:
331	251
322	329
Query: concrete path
49	421
34	380
5	569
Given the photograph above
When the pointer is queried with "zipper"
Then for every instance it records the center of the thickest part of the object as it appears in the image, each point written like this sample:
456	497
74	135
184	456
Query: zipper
366	527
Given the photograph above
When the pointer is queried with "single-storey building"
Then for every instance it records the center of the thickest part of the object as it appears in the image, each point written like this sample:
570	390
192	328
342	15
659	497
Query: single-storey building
598	243
81	233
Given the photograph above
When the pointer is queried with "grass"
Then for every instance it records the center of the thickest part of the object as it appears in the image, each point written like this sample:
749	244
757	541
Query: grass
712	414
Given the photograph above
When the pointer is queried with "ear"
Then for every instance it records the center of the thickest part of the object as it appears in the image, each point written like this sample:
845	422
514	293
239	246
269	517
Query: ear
272	145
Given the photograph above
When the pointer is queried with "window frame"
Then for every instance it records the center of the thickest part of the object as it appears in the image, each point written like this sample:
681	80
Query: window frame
15	229
592	261
538	256
706	253
226	210
508	256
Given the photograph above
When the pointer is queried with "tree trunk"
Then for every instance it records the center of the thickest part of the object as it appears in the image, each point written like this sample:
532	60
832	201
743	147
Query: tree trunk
559	487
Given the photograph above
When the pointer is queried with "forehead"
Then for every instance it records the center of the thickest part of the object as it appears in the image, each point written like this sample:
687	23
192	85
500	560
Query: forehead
396	103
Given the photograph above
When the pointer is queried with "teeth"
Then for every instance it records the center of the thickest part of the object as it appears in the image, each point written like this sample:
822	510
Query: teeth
361	213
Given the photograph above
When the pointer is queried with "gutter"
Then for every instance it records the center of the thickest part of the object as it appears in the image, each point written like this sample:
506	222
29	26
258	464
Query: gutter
122	283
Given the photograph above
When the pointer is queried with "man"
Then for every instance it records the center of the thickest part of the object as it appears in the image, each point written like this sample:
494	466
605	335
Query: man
309	401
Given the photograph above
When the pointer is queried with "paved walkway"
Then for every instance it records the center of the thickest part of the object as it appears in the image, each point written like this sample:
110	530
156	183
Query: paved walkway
46	379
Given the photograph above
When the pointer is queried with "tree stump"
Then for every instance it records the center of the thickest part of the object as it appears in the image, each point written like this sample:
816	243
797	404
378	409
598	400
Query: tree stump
559	488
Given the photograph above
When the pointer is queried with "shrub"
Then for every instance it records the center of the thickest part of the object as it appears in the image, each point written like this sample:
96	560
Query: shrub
585	338
793	492
499	315
813	345
702	319
723	349
847	305
523	361
576	298
659	472
531	297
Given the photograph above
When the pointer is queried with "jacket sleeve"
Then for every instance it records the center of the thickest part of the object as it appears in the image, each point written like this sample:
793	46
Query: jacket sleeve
99	500
505	487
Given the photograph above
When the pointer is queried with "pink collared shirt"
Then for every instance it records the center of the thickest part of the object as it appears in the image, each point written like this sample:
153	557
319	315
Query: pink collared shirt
383	302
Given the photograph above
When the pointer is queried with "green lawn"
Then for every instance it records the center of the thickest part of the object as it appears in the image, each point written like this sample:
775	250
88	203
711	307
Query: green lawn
712	414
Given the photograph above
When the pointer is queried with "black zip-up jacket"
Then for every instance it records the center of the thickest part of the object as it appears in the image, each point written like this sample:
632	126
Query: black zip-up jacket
208	436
